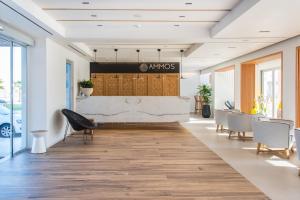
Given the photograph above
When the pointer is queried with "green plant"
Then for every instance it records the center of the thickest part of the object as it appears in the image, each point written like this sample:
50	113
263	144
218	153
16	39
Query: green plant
86	84
205	91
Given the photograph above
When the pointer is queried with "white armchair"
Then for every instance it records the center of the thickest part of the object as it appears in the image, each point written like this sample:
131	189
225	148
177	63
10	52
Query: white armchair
273	135
221	119
297	138
239	123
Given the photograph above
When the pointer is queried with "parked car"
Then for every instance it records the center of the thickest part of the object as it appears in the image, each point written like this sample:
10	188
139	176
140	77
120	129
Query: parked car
5	129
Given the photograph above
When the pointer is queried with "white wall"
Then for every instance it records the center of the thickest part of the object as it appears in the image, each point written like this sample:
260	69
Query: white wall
288	49
223	88
188	87
47	86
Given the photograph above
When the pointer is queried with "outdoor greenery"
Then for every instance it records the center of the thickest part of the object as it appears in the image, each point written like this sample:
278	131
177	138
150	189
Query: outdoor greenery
205	91
86	84
1	85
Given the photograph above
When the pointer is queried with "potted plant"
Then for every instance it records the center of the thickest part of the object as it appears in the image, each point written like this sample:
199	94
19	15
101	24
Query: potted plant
86	87
205	91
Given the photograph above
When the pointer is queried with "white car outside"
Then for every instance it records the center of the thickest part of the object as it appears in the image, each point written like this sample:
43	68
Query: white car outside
5	130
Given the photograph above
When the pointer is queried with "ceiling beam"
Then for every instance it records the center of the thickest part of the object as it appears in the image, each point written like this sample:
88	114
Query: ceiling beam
236	12
192	49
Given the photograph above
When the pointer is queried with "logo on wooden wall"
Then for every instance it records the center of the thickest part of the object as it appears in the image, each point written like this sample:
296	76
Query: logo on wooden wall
143	67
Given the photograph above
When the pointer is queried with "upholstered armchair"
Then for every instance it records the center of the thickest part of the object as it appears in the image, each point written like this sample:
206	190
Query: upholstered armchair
221	119
275	135
239	123
297	138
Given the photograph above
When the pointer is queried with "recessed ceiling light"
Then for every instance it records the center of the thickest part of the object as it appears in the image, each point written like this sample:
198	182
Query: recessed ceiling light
85	2
181	16
188	3
176	25
137	26
264	31
231	47
93	15
137	15
99	25
245	40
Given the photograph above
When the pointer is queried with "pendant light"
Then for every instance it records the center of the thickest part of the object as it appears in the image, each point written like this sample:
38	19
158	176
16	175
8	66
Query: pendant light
116	50
159	50
181	55
138	54
95	53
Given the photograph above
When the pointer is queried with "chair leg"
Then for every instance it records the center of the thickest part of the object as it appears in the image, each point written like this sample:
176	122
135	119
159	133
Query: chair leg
287	153
222	128
258	148
298	171
66	131
229	136
217	130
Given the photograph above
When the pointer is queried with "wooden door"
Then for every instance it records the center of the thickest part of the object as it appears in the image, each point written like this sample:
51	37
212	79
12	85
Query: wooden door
127	84
171	85
112	84
247	87
98	81
155	85
141	85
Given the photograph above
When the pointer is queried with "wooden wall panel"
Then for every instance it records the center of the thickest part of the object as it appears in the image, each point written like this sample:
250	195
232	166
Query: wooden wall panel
132	84
171	85
155	85
112	83
98	81
127	84
247	87
141	85
298	89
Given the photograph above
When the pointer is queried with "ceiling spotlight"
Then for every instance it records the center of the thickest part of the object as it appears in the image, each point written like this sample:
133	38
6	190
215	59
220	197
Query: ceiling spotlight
85	2
137	15
231	47
188	3
264	31
176	25
181	16
93	15
99	25
137	25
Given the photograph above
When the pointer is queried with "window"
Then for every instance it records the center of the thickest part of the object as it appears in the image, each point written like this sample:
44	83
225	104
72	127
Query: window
69	85
271	91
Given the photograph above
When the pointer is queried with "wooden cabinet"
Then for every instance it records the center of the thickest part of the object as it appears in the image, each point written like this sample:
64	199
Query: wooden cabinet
132	84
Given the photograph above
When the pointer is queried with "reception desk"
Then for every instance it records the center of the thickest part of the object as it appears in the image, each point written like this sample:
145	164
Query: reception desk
130	109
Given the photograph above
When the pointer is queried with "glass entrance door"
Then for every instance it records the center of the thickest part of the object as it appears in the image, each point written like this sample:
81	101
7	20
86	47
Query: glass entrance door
12	98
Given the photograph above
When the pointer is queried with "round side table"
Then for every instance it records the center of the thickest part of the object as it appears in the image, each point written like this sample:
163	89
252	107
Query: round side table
38	143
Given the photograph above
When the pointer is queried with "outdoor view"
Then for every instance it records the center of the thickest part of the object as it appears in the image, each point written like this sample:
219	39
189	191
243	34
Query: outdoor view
7	94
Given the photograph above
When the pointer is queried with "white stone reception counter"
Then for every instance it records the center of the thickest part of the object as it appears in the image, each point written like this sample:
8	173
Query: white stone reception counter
107	109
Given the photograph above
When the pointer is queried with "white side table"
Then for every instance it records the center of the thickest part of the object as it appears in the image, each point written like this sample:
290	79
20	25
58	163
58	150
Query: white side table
38	143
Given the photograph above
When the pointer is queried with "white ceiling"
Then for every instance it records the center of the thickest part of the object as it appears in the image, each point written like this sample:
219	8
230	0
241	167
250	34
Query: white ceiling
221	29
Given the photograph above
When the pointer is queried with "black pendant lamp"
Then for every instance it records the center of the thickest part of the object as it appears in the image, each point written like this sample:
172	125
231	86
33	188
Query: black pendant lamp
181	56
95	54
138	54
116	50
159	50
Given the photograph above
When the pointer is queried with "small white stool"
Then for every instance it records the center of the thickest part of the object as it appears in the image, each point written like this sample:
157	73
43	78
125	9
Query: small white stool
38	143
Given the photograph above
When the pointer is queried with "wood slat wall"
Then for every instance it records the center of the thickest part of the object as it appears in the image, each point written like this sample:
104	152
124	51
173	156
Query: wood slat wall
129	84
247	87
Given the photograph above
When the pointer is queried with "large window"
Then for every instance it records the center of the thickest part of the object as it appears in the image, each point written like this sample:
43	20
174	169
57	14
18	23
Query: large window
69	86
271	91
12	97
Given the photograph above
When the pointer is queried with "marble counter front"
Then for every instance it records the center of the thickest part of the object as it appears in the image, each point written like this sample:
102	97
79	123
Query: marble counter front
116	109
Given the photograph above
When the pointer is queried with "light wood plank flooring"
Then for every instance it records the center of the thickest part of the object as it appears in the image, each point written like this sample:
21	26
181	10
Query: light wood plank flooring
157	162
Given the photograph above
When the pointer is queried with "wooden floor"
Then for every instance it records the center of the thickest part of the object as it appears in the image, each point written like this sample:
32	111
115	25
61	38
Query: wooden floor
155	162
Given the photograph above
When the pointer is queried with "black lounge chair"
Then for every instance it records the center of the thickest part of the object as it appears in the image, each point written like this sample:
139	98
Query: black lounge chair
78	123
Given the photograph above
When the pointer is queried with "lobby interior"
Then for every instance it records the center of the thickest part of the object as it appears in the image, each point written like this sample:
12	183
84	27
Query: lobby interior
161	99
